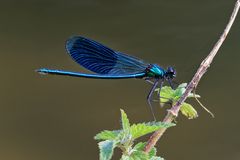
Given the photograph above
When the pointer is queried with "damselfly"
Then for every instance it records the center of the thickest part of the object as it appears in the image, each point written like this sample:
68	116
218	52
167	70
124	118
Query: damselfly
110	64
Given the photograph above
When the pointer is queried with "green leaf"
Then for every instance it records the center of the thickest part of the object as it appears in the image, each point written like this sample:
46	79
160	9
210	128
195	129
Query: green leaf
182	85
165	89
178	93
107	135
142	129
139	146
157	158
125	122
191	95
106	149
126	157
152	152
188	111
166	94
139	155
162	124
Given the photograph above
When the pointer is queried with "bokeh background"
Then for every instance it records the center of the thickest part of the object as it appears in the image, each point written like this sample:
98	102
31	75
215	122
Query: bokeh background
56	118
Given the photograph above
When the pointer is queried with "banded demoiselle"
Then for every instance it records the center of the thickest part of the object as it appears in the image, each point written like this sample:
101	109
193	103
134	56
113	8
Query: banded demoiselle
110	64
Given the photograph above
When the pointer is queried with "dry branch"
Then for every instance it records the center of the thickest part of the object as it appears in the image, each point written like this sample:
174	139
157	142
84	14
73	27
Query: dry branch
173	112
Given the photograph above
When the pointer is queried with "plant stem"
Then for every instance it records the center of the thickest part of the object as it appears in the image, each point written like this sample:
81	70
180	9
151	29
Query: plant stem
173	112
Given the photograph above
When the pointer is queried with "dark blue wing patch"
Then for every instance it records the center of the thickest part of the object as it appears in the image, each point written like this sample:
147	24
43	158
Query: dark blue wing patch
101	59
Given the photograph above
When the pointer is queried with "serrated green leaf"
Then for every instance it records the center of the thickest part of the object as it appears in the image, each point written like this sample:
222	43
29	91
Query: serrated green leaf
163	124
178	93
125	122
165	89
139	130
139	155
106	149
181	89
166	94
183	85
139	146
188	111
157	158
126	157
152	152
142	129
107	135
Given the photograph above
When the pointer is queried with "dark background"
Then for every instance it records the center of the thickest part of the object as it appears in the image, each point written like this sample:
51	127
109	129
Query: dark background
56	118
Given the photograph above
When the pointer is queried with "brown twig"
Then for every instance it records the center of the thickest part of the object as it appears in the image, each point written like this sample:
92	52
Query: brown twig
173	112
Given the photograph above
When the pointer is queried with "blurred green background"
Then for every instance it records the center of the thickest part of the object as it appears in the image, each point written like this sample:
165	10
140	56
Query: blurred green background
55	117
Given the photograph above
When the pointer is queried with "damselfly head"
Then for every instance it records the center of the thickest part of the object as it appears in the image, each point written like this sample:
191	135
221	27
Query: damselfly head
170	73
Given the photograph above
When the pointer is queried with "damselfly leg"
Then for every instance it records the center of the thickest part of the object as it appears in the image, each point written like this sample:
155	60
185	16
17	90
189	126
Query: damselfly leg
150	96
150	99
159	92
